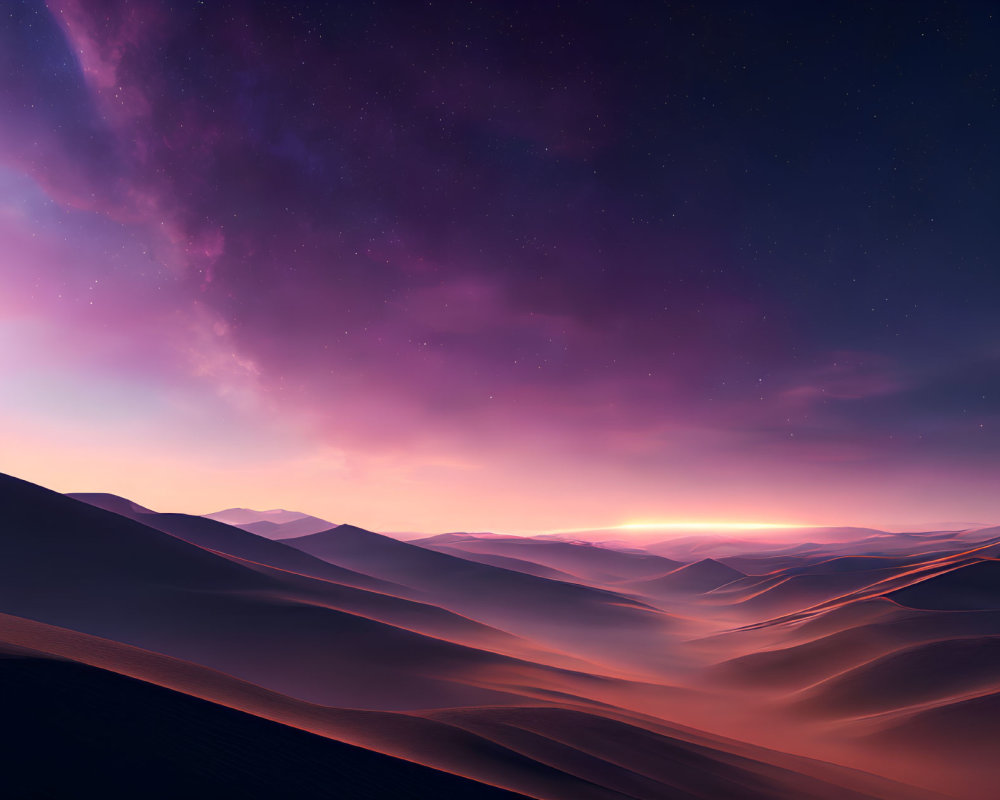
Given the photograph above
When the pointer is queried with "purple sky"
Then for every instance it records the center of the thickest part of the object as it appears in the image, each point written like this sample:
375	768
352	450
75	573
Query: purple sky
432	266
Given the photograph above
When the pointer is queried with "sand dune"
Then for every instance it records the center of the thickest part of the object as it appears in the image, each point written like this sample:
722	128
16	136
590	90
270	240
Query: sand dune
965	730
547	667
564	613
506	562
634	761
924	673
852	564
798	591
78	734
971	586
950	747
111	502
800	665
122	580
586	561
235	541
545	752
702	576
842	617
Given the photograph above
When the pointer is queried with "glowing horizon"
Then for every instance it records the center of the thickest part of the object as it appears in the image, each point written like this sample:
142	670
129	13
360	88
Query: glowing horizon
708	525
682	525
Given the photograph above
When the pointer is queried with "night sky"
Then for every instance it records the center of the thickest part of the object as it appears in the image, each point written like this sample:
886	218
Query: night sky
431	266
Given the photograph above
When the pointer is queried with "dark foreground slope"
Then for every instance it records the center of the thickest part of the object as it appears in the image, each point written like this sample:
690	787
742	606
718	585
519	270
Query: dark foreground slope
232	540
77	566
75	732
569	752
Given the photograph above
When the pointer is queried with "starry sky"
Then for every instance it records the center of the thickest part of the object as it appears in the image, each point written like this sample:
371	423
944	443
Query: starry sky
509	266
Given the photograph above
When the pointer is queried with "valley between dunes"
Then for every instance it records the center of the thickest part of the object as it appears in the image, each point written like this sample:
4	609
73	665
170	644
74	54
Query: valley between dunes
157	654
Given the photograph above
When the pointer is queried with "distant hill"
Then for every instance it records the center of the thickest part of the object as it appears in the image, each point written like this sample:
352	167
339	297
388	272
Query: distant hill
246	516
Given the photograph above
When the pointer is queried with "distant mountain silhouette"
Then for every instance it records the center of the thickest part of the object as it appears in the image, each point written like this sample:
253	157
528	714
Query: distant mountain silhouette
247	516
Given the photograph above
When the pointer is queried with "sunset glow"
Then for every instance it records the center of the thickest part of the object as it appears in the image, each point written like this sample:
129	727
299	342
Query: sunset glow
481	286
736	526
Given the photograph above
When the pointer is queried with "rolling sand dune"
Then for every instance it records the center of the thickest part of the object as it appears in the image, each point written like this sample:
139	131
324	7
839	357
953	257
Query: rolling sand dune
757	565
949	747
588	562
111	502
412	737
506	562
797	591
634	761
842	617
235	541
852	564
179	746
564	613
547	667
702	576
972	586
799	665
545	752
122	580
980	533
924	673
965	730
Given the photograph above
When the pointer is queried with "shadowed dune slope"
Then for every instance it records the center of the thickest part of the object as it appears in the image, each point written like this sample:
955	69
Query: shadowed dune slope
702	576
412	737
951	746
810	662
643	763
972	586
83	721
110	502
545	752
785	594
586	561
125	581
506	562
923	673
965	730
498	595
235	541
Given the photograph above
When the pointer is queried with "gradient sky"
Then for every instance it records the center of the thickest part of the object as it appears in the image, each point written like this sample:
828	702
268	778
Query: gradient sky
429	266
